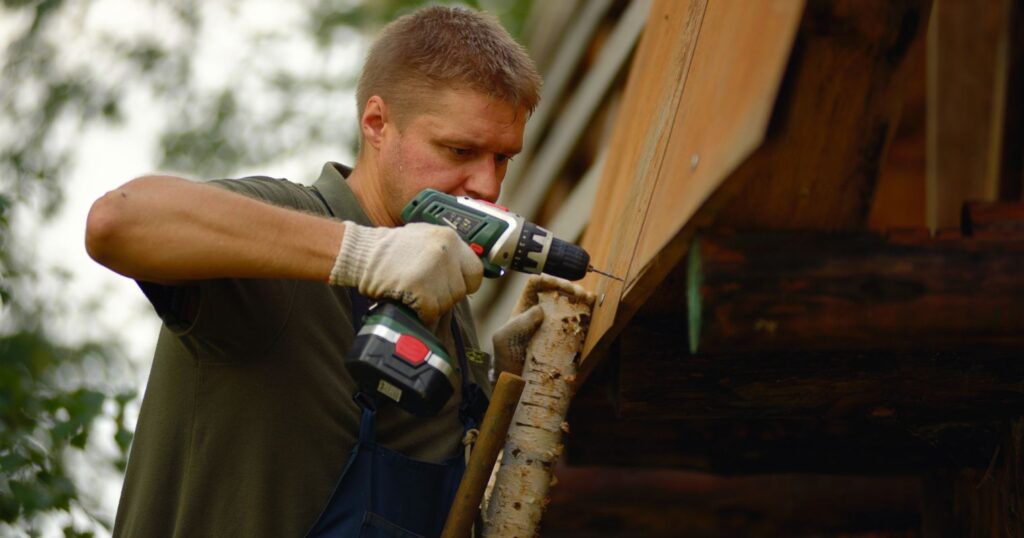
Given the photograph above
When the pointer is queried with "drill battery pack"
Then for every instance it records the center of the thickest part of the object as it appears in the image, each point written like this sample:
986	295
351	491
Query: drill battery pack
395	358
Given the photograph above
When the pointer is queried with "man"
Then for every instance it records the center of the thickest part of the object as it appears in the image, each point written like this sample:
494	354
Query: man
248	426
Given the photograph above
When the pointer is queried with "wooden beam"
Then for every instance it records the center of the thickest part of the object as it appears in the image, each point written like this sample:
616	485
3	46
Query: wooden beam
968	61
1012	184
703	82
820	444
765	292
826	137
565	62
978	503
659	382
528	192
605	502
993	219
839	107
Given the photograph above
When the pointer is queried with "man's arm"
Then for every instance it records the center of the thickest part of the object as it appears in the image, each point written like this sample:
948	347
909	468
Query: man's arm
169	230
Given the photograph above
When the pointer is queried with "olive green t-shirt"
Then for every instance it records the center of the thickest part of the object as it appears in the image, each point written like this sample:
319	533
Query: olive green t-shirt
248	417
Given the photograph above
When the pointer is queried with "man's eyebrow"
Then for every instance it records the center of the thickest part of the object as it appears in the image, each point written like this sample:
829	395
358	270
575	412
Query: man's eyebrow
469	143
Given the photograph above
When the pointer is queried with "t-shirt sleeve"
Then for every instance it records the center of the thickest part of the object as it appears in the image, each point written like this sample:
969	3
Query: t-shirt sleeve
229	316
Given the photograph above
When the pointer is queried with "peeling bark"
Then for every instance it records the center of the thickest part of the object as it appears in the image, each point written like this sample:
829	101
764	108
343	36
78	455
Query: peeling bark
534	444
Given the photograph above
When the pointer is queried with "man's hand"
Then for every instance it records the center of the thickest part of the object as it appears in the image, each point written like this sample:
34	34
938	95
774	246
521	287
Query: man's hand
427	267
511	340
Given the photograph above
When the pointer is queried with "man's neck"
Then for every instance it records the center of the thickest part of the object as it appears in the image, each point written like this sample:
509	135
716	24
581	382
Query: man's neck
367	190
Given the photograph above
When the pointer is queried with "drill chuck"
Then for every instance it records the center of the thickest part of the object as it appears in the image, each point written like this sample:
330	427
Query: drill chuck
566	260
539	251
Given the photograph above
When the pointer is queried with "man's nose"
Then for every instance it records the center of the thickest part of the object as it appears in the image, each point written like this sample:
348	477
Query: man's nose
484	180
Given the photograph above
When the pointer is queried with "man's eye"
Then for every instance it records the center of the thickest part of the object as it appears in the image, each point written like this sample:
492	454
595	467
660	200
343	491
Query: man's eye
501	158
460	152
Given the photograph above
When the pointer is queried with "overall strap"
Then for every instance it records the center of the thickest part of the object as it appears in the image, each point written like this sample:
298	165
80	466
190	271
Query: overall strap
474	401
360	306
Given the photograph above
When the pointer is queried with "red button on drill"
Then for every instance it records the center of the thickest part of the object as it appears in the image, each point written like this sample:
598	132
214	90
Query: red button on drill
477	249
492	204
411	350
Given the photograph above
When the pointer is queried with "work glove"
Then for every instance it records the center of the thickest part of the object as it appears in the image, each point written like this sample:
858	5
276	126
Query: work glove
425	266
511	339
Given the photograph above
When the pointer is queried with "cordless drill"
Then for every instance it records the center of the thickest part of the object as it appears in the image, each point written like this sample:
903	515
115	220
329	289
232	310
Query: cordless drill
394	356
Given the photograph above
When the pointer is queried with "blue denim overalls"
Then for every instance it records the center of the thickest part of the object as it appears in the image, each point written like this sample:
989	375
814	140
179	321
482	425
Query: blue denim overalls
382	493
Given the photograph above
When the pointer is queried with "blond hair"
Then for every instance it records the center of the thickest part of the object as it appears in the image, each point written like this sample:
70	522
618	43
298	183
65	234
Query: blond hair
439	48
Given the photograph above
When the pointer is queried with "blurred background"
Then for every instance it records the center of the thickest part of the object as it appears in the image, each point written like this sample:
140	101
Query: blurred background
93	94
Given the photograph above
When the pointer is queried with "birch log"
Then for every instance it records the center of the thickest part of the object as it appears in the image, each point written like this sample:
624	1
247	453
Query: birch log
535	438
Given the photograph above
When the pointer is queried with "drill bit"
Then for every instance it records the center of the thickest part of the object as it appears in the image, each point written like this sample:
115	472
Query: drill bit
592	269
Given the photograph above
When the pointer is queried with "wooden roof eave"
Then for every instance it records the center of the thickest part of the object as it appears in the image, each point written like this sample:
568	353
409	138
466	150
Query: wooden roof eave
698	102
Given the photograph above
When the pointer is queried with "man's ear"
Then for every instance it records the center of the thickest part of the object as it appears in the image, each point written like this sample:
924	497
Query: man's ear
375	119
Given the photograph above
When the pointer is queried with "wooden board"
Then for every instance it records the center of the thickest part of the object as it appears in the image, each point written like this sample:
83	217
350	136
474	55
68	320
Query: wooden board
838	110
967	77
700	68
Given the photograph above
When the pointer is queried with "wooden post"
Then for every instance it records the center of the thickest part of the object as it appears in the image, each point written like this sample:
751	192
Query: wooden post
535	438
493	431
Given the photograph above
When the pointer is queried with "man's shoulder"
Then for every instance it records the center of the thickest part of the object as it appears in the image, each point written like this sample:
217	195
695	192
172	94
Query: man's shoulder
278	191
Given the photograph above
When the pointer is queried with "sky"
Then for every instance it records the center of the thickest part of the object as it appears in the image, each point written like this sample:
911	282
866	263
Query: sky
100	301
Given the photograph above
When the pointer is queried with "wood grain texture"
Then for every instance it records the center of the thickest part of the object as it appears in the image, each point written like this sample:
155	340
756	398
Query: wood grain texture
704	80
608	502
883	445
928	385
764	292
639	143
968	62
837	111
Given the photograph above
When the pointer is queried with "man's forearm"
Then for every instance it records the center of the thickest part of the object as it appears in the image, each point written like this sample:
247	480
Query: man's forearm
167	229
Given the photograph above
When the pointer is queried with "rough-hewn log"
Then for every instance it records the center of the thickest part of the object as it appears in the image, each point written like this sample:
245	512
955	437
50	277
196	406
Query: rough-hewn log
659	380
799	292
997	220
871	445
837	110
606	502
978	503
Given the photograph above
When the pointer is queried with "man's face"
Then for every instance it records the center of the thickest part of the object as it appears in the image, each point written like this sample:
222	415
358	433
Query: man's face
460	146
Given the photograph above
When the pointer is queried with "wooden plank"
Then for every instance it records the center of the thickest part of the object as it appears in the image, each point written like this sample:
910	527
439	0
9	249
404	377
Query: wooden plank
1012	183
968	64
729	97
566	61
543	31
899	200
639	141
528	194
654	127
838	109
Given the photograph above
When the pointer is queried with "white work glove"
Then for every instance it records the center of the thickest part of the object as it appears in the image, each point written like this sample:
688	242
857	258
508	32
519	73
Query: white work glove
425	266
511	339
